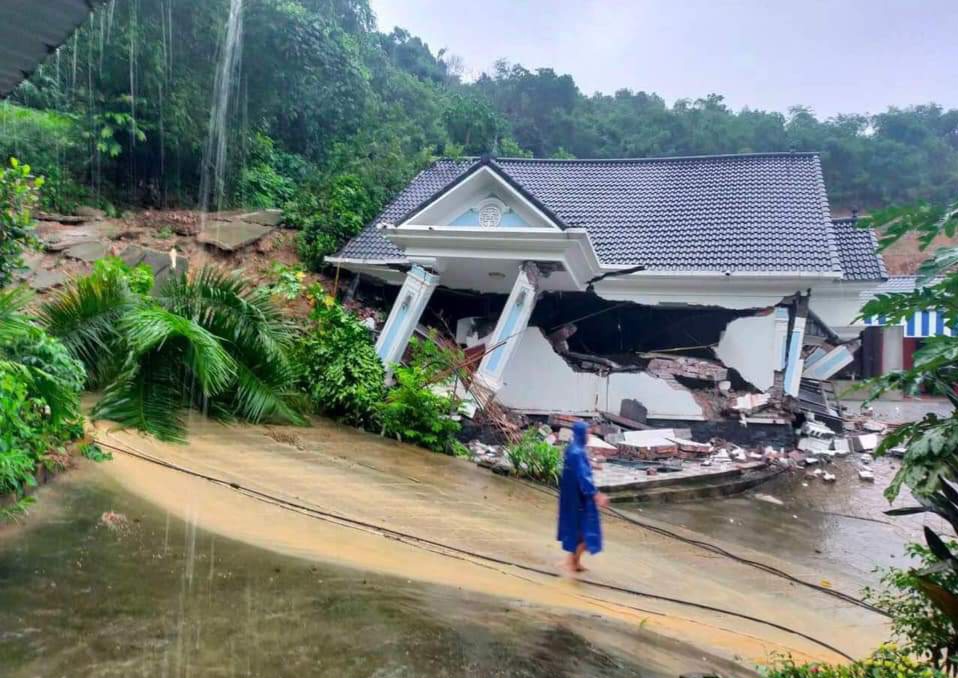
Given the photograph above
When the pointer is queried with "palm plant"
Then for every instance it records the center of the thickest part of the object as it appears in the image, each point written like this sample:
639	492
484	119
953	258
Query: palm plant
211	341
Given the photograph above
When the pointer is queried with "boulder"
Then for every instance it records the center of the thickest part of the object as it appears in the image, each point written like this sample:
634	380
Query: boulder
230	236
87	251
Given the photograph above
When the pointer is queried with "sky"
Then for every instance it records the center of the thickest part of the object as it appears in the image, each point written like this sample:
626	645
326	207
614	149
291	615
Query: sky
835	56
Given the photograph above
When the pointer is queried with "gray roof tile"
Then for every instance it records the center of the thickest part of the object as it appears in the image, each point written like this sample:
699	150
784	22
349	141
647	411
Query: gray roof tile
858	251
747	213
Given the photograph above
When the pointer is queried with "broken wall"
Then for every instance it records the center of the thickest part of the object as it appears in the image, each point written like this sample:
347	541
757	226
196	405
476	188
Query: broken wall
748	346
539	380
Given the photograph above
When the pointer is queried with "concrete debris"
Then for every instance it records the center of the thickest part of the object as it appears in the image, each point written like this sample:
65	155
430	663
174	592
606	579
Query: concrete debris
750	402
826	365
565	435
828	477
841	446
866	474
864	442
866	458
874	426
690	368
815	445
815	429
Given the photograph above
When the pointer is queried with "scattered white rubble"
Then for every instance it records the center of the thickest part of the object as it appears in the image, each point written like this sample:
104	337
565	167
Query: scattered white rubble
814	445
866	474
866	458
840	446
816	429
828	477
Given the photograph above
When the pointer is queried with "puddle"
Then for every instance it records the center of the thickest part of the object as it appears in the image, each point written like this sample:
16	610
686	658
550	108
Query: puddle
155	596
834	527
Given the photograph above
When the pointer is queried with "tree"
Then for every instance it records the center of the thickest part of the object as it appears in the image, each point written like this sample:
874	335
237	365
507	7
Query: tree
19	194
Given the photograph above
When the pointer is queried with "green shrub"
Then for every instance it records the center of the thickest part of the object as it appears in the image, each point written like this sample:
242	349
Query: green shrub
535	458
922	627
340	371
40	385
18	197
269	177
54	144
888	661
415	410
329	215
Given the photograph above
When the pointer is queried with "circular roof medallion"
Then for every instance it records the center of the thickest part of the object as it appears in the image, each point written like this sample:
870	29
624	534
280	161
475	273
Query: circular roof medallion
489	216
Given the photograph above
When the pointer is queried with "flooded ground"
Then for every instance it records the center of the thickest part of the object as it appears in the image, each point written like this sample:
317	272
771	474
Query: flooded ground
155	596
836	529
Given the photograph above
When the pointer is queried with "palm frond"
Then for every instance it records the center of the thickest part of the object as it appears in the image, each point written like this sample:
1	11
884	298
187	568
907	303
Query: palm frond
256	399
147	396
85	316
150	329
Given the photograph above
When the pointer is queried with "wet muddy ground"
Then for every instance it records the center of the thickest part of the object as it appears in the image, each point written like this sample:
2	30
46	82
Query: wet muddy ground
156	596
836	529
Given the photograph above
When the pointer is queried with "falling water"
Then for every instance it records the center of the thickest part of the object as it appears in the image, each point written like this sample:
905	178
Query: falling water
214	155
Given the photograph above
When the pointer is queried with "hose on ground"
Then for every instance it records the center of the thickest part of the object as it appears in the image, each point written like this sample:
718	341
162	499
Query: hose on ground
410	538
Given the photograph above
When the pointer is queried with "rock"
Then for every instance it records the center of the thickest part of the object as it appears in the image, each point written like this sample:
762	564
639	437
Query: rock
866	474
88	251
90	212
369	323
230	236
503	467
60	218
161	263
269	217
45	280
828	477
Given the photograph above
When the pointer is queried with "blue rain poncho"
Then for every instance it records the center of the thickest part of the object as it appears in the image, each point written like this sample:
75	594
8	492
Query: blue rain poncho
578	514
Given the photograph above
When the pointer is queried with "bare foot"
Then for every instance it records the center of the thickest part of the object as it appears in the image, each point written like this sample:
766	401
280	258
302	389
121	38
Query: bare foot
581	568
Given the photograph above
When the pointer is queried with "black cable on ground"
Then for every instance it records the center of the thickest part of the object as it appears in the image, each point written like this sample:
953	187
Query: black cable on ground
322	514
718	550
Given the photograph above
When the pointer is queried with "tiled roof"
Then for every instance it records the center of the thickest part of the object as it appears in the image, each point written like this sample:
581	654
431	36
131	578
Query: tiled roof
896	284
858	251
744	213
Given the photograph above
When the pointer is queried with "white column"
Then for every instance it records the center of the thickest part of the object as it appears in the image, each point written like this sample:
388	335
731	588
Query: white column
794	363
512	323
406	311
781	337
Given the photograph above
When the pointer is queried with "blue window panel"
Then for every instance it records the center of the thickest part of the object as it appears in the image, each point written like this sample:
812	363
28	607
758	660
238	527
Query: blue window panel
925	321
910	326
513	220
468	218
939	324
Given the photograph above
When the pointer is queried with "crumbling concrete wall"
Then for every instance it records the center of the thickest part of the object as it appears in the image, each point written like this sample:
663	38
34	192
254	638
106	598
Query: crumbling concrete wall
748	346
537	379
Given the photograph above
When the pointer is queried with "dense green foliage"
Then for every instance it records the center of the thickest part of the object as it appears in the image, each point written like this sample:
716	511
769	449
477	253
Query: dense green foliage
888	661
18	196
535	458
210	341
40	385
417	409
329	117
923	601
340	371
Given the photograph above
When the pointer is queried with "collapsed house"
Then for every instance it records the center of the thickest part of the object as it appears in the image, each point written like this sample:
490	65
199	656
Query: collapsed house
711	293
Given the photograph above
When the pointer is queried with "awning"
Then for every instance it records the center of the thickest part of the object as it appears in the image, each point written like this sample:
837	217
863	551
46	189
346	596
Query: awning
30	30
921	325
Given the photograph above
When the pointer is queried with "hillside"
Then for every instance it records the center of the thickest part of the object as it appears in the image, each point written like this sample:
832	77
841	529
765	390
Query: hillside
321	114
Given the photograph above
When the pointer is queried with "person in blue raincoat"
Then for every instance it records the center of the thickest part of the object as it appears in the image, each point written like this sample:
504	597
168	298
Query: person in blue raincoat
579	502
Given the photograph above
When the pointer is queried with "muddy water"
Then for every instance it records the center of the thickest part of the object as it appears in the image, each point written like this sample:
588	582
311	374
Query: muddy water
158	597
838	529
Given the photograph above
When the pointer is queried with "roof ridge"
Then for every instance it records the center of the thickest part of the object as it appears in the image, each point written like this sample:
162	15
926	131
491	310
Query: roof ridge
636	160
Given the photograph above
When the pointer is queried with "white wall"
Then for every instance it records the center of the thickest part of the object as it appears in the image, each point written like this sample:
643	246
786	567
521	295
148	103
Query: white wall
537	379
748	346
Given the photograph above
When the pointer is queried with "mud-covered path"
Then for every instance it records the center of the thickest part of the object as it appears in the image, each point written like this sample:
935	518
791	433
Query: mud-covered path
459	510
